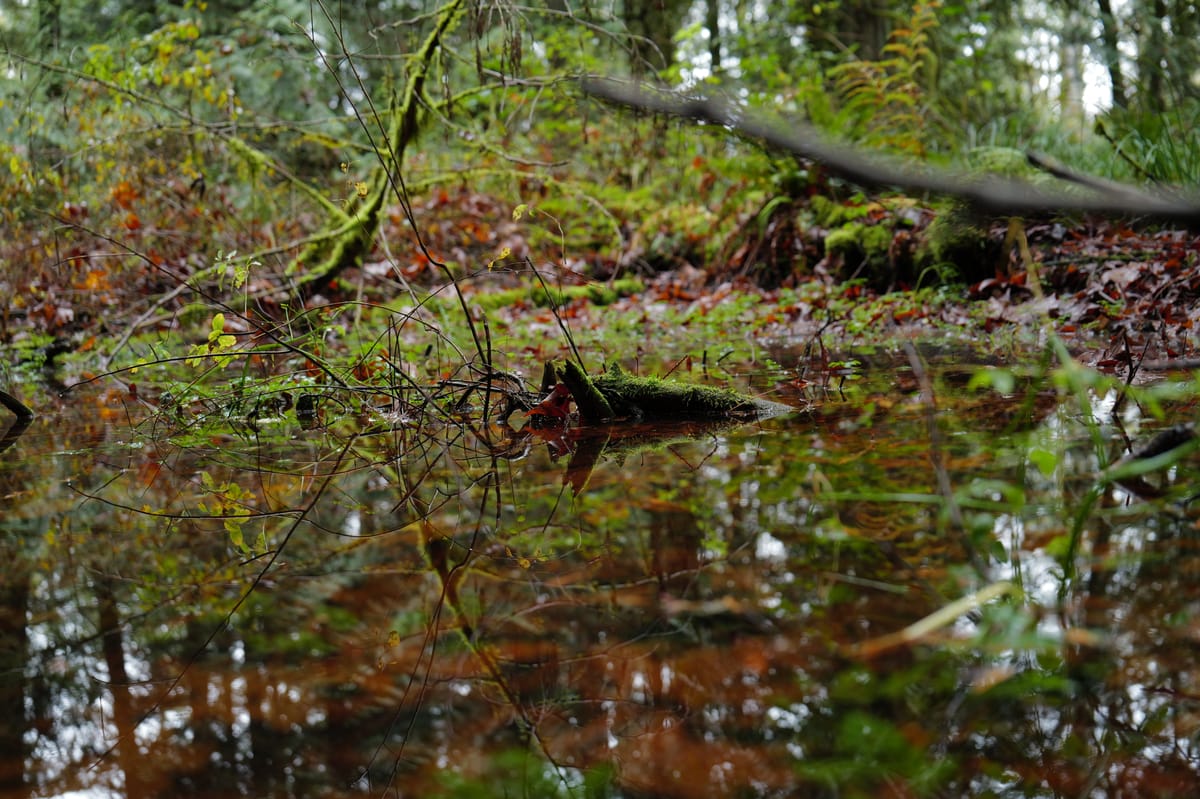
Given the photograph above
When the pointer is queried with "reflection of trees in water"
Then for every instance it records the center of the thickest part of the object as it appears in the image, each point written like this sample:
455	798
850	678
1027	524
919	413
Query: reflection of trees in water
15	688
441	606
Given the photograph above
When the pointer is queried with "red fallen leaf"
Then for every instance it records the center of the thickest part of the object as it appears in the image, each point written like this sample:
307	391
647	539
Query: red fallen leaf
555	408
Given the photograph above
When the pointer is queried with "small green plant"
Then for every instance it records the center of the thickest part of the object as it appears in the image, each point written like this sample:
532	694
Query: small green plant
229	265
216	346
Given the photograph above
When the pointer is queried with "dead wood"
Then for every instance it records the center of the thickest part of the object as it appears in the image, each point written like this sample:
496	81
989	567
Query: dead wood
989	195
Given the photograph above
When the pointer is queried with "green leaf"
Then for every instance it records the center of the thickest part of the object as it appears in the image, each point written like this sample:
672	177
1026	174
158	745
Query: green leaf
1045	460
236	537
1001	380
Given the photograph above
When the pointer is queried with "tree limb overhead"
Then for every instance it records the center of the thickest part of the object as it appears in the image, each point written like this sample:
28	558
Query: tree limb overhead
991	195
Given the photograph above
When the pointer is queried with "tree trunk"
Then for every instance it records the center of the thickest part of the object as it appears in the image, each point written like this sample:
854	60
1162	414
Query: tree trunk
1071	67
712	21
858	25
124	715
1152	59
14	664
1109	36
49	22
652	25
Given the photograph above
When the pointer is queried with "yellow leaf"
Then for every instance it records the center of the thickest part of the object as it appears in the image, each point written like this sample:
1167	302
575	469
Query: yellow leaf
507	251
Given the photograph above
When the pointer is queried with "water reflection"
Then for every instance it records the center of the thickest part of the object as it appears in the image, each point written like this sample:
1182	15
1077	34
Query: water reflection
347	610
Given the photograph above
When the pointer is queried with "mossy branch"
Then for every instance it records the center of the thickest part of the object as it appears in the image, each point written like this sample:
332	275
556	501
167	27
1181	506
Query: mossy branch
258	158
593	406
318	263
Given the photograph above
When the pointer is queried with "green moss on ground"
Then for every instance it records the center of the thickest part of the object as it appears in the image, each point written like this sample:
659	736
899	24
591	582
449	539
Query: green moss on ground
553	296
956	237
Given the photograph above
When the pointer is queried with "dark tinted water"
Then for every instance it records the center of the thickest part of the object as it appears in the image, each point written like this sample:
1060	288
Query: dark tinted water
369	607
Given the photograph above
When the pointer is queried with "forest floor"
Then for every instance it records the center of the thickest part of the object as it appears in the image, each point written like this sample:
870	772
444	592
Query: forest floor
1123	298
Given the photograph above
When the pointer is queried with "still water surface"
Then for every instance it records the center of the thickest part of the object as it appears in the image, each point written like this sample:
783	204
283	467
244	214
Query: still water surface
371	608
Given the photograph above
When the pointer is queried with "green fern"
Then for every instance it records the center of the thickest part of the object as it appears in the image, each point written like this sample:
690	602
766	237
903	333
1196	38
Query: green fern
885	102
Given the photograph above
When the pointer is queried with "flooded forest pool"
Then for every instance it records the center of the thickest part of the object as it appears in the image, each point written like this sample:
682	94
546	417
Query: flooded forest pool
938	581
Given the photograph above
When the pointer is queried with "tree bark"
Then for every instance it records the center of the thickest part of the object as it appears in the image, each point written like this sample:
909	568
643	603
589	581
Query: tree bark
1109	37
1152	60
652	25
712	21
858	25
1073	37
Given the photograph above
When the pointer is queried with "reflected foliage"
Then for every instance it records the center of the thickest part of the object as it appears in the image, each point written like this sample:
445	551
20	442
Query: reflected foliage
439	615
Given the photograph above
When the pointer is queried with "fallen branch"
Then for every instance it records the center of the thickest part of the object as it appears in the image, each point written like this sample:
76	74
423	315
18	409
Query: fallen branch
991	195
17	407
23	420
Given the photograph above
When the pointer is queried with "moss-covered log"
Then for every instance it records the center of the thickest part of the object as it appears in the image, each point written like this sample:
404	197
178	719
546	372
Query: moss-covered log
616	394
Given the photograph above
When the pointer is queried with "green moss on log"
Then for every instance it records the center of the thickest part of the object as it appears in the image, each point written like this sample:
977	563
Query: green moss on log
592	404
618	394
656	398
